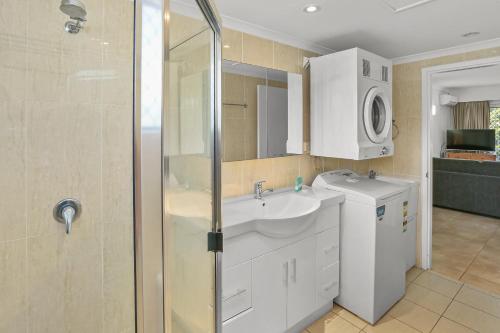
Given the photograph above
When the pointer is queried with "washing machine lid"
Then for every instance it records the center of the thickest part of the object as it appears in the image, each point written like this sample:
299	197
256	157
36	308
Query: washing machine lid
377	115
351	183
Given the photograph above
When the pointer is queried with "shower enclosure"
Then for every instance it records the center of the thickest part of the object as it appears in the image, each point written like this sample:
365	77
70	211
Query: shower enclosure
109	166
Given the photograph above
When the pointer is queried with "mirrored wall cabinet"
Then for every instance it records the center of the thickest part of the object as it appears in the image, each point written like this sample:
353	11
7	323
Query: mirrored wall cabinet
261	112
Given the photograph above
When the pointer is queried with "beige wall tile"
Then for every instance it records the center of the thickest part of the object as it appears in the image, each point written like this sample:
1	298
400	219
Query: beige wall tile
330	164
285	170
13	307
118	277
65	281
12	174
232	42
60	138
256	170
257	51
232	181
287	58
309	168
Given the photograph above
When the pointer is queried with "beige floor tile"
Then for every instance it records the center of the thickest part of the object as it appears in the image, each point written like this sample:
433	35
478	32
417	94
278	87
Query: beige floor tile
427	298
350	317
320	324
438	283
413	273
334	324
468	227
480	282
414	315
475	319
389	324
447	269
486	265
447	326
479	299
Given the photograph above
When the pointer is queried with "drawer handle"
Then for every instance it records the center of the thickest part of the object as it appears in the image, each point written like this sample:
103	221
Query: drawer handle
330	249
238	292
285	274
329	286
294	270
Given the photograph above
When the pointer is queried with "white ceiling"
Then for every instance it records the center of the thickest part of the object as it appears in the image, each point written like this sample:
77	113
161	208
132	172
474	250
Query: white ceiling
476	77
391	28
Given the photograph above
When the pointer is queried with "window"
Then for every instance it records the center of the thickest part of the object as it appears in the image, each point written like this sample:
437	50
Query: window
495	124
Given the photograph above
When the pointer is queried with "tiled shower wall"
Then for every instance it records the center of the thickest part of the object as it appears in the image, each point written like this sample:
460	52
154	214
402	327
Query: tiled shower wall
66	131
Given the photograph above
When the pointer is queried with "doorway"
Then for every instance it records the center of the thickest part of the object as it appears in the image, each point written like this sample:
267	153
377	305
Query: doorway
460	224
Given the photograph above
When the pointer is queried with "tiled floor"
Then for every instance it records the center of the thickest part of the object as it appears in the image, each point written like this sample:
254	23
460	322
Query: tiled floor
466	247
433	303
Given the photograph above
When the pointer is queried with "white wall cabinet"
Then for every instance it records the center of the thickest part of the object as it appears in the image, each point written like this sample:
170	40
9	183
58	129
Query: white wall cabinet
276	285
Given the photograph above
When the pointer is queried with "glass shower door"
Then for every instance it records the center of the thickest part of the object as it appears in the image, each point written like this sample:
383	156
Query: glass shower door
191	167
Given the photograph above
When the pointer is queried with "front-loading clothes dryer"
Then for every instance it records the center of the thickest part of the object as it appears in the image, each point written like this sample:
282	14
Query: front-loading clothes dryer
372	260
351	105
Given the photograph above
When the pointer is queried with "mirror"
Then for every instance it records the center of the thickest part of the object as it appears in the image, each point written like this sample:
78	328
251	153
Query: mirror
261	112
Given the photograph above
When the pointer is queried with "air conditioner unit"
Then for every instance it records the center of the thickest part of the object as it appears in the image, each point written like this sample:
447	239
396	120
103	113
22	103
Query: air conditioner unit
448	100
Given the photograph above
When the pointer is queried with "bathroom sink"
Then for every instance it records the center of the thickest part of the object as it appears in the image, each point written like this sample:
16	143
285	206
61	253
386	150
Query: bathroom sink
278	215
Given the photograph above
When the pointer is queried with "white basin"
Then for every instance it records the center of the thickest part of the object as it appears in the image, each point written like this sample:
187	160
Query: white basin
278	215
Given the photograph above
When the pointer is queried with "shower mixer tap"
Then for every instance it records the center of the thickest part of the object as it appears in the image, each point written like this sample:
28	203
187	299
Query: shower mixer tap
67	211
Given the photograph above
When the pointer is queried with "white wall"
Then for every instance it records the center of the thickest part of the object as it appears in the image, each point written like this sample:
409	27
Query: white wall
441	121
473	94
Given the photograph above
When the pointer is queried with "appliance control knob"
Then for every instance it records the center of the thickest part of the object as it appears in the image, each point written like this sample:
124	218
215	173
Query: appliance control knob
385	151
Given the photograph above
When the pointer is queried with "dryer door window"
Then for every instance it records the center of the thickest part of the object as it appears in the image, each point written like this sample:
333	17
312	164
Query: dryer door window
377	115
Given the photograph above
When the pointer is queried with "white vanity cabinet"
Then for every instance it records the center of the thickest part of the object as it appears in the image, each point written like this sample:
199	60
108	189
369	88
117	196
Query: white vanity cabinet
282	284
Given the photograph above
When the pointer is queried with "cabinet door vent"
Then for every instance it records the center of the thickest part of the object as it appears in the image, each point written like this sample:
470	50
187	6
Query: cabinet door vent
366	68
385	73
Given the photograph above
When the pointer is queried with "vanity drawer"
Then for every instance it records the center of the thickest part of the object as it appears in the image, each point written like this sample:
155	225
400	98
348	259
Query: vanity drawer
327	248
328	284
236	290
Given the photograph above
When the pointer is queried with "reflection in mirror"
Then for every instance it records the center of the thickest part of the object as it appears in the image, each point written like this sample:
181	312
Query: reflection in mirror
261	112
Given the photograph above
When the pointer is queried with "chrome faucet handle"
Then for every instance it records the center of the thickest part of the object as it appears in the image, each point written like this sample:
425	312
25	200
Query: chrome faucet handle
67	211
68	214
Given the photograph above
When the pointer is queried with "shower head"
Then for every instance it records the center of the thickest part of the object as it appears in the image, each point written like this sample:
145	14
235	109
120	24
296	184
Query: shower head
75	9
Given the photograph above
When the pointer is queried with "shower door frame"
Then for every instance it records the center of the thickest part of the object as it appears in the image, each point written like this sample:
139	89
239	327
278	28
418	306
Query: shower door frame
210	13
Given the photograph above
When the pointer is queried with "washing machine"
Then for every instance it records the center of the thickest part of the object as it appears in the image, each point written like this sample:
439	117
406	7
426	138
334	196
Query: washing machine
351	105
410	232
372	260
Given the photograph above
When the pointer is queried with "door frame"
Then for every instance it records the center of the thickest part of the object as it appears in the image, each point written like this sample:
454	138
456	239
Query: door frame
144	302
426	175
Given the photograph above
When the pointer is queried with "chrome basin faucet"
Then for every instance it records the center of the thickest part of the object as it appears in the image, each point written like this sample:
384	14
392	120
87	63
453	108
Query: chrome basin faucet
259	191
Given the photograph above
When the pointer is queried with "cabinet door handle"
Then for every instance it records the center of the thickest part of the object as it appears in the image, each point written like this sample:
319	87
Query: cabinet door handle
285	274
293	276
